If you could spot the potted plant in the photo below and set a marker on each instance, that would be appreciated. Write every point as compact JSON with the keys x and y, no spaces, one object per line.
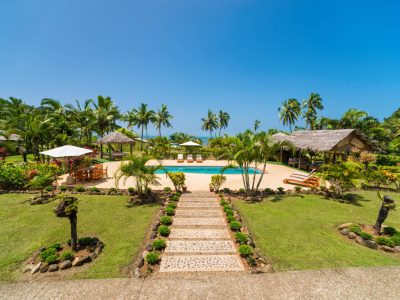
{"x":184,"y":188}
{"x":211,"y":187}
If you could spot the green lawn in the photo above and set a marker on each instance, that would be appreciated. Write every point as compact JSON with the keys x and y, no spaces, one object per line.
{"x":18,"y":158}
{"x":300,"y":232}
{"x":25,"y":228}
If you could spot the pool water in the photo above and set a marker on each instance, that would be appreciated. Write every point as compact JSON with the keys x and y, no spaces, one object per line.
{"x":204,"y":170}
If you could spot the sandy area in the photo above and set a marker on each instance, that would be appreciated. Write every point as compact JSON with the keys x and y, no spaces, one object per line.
{"x":199,"y":182}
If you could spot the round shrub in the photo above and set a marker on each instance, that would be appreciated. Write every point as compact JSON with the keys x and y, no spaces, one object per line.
{"x":229,"y":212}
{"x":366,"y":236}
{"x":235,"y":225}
{"x":396,"y":239}
{"x":223,"y":202}
{"x":56,"y":246}
{"x":355,"y":228}
{"x":67,"y":255}
{"x":159,"y":244}
{"x":166,"y":220}
{"x":170,"y":211}
{"x":230,"y":218}
{"x":245,"y":250}
{"x":227,"y":207}
{"x":241,"y":238}
{"x":112,"y":191}
{"x":63,"y":188}
{"x":384,"y":241}
{"x":164,"y":230}
{"x":172,"y":205}
{"x":94,"y":189}
{"x":51,"y":259}
{"x":389,"y":231}
{"x":167,"y":189}
{"x":80,"y":188}
{"x":152,"y":257}
{"x":175,"y":197}
{"x":85,"y":241}
{"x":131,"y":190}
{"x":48,"y":188}
{"x":48,"y":252}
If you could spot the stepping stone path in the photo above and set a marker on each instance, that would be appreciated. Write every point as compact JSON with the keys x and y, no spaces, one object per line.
{"x":200,"y":240}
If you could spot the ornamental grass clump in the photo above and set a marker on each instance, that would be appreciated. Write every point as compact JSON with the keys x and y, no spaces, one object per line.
{"x":159,"y":244}
{"x":170,"y":211}
{"x":245,"y":250}
{"x":164,"y":230}
{"x":172,"y":205}
{"x":67,"y":255}
{"x":235,"y":225}
{"x":166,"y":220}
{"x":384,"y":241}
{"x":241,"y":238}
{"x":152,"y":257}
{"x":365,"y":235}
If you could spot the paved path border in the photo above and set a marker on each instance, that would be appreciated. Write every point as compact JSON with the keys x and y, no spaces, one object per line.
{"x":353,"y":283}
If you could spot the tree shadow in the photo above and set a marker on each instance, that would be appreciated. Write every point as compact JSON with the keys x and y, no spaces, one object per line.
{"x":353,"y":199}
{"x":277,"y":198}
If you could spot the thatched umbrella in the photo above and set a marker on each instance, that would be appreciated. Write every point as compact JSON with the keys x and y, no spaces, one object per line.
{"x":116,"y":138}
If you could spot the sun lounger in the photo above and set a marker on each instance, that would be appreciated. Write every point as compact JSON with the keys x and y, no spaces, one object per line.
{"x":302,"y":175}
{"x":199,"y":159}
{"x":310,"y":181}
{"x":180,"y":158}
{"x":189,"y":158}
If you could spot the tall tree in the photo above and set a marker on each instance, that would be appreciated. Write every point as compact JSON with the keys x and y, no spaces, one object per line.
{"x":162,"y":119}
{"x":141,"y":117}
{"x":83,"y":119}
{"x":210,"y":123}
{"x":223,"y":120}
{"x":352,"y":118}
{"x":289,"y":112}
{"x":310,"y":106}
{"x":257,"y":124}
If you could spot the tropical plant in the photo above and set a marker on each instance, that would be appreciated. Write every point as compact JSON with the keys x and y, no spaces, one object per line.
{"x":67,"y":207}
{"x":217,"y":181}
{"x":210,"y":123}
{"x":178,"y":180}
{"x":140,"y":117}
{"x":142,"y":174}
{"x":162,"y":118}
{"x":223,"y":120}
{"x":42,"y":181}
{"x":289,"y":112}
{"x":257,"y":124}
{"x":310,"y":107}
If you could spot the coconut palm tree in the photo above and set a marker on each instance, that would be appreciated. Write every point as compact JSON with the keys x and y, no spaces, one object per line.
{"x":143,"y":175}
{"x":257,"y":124}
{"x":162,"y":118}
{"x":310,"y":106}
{"x":223,"y":120}
{"x":289,"y":112}
{"x":82,"y":117}
{"x":141,"y":117}
{"x":210,"y":123}
{"x":352,"y":118}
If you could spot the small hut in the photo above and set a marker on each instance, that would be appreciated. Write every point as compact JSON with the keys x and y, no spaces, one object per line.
{"x":116,"y":138}
{"x":335,"y":142}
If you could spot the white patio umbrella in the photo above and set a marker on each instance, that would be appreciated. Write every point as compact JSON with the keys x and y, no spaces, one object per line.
{"x":190,"y":144}
{"x":66,"y":152}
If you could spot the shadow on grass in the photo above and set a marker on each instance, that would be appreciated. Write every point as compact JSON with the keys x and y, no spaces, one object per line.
{"x":277,"y":198}
{"x":353,"y":199}
{"x":133,"y":205}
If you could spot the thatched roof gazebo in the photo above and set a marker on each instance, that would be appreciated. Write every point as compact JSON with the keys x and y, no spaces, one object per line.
{"x":116,"y":138}
{"x":333,"y":141}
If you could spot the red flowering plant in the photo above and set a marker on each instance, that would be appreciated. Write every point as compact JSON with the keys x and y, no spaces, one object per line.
{"x":3,"y":152}
{"x":92,"y":154}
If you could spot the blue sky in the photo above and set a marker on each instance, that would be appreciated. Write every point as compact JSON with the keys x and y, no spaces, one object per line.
{"x":244,"y":57}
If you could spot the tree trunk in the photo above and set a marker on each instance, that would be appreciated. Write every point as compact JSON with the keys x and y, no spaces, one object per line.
{"x":387,"y":203}
{"x":141,"y":142}
{"x":74,"y":233}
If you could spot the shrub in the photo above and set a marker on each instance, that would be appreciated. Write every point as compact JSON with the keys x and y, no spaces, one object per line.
{"x":152,"y":257}
{"x":174,"y":197}
{"x":67,"y":255}
{"x":48,"y":252}
{"x":227,"y":207}
{"x":159,"y":244}
{"x":389,"y":231}
{"x":245,"y":250}
{"x":269,"y":191}
{"x":281,"y":190}
{"x":166,"y":220}
{"x":241,"y":238}
{"x":94,"y":189}
{"x":387,"y":160}
{"x":172,"y":205}
{"x":217,"y":181}
{"x":164,"y":230}
{"x":178,"y":180}
{"x":365,"y":235}
{"x":241,"y":191}
{"x":229,"y":212}
{"x":85,"y":241}
{"x":297,"y":189}
{"x":235,"y":225}
{"x":223,"y":202}
{"x":112,"y":190}
{"x":396,"y":239}
{"x":170,"y":211}
{"x":227,"y":190}
{"x":12,"y":177}
{"x":63,"y":188}
{"x":56,"y":246}
{"x":385,"y":241}
{"x":167,"y":189}
{"x":230,"y":218}
{"x":51,"y":259}
{"x":80,"y":188}
{"x":48,"y":188}
{"x":131,"y":190}
{"x":355,"y":228}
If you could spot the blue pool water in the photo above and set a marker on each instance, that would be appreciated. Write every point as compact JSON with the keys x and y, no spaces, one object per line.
{"x":204,"y":170}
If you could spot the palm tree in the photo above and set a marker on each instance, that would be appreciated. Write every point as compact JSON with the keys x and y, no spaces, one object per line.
{"x":141,"y":117}
{"x":142,"y":174}
{"x":162,"y":118}
{"x":310,"y":106}
{"x":105,"y":115}
{"x":210,"y":123}
{"x":223,"y":120}
{"x":257,"y":124}
{"x":352,"y":118}
{"x":289,"y":112}
{"x":83,"y":118}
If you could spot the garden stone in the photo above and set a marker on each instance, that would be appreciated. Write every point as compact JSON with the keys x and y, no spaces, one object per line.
{"x":144,"y":254}
{"x":149,"y":247}
{"x":345,"y":231}
{"x":360,"y":240}
{"x":27,"y":268}
{"x":36,"y":268}
{"x":141,"y":262}
{"x":44,"y":268}
{"x":86,"y":259}
{"x":397,"y":248}
{"x":351,"y":235}
{"x":66,"y":264}
{"x":77,"y":262}
{"x":53,"y":268}
{"x":345,"y":225}
{"x":371,"y":244}
{"x":388,"y":249}
{"x":98,"y":251}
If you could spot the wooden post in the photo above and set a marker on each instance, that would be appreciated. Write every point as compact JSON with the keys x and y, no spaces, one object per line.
{"x":300,"y":160}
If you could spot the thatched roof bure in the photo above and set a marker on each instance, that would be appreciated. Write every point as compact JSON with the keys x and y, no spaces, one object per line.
{"x":115,"y":138}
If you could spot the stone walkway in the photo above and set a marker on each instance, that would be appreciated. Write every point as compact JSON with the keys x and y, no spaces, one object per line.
{"x":353,"y":283}
{"x":200,"y":240}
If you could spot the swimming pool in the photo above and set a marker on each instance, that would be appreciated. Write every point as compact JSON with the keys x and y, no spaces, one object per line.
{"x":204,"y":170}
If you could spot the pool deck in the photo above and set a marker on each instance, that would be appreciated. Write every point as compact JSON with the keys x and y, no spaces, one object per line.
{"x":273,"y":178}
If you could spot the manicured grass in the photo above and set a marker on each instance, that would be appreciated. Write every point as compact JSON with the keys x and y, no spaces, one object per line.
{"x":300,"y":232}
{"x":18,"y":158}
{"x":25,"y":228}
